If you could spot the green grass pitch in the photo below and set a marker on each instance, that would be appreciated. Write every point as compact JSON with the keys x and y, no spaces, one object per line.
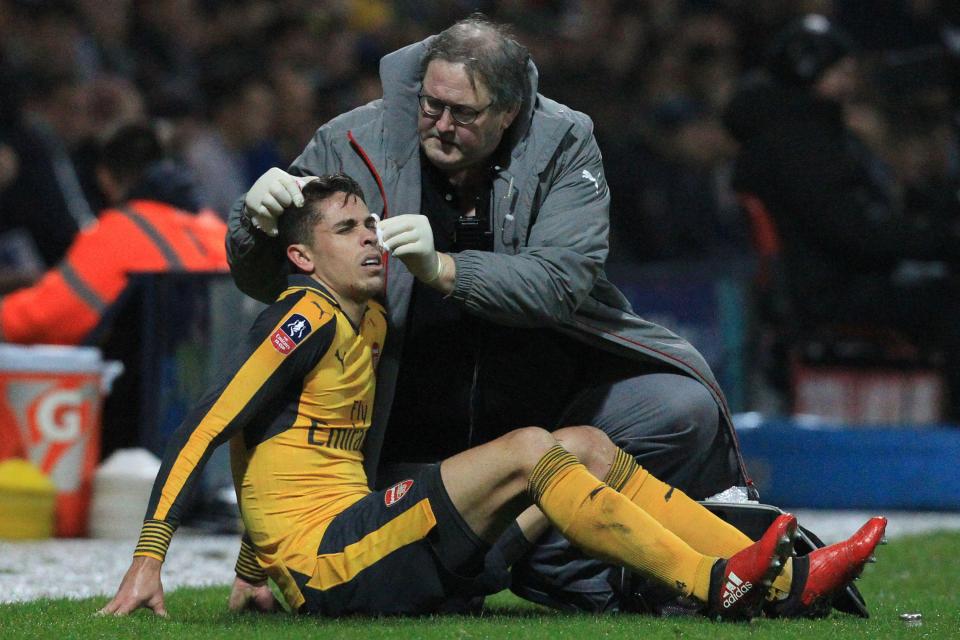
{"x":915,"y":574}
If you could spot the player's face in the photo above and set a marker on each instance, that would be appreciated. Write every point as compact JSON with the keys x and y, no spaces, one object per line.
{"x":344,"y":251}
{"x":448,"y":145}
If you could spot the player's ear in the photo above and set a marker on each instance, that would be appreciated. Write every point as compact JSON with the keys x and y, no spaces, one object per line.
{"x":301,"y":257}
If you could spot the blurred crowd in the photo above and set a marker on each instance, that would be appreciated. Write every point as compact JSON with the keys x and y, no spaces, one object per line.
{"x":238,"y":86}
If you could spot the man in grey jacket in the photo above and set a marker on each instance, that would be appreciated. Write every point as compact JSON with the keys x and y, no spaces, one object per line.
{"x":500,"y":312}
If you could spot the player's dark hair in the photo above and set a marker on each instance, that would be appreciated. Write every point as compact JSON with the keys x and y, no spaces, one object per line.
{"x":296,"y":224}
{"x":489,"y":53}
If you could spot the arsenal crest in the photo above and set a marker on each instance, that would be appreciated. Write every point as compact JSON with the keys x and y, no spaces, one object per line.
{"x":394,"y":494}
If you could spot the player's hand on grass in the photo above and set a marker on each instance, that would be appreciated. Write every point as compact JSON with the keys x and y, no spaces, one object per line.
{"x":274,"y":191}
{"x":140,"y":587}
{"x":246,"y":596}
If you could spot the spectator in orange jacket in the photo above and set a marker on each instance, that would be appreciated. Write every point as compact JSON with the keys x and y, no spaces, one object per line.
{"x":149,"y":227}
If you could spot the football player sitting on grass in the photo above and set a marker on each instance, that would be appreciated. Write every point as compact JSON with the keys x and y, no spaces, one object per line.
{"x":295,"y":408}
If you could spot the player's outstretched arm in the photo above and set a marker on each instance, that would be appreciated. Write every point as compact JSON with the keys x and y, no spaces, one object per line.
{"x":247,"y":596}
{"x":140,"y":587}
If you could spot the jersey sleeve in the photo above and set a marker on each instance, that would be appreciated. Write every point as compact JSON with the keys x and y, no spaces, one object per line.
{"x":247,"y":567}
{"x":283,"y":346}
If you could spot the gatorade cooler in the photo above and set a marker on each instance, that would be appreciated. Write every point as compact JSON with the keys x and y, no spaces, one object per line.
{"x":50,"y":400}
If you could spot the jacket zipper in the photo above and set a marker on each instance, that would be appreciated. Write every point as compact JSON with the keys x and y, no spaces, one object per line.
{"x":474,"y":398}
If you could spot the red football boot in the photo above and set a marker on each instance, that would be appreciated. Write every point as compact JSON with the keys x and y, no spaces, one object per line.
{"x":738,"y":586}
{"x":823,"y":573}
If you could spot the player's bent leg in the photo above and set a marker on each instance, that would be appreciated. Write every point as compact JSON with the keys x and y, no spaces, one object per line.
{"x":595,"y":450}
{"x":487,"y":484}
{"x":591,"y":446}
{"x":484,"y":485}
{"x":688,"y":519}
{"x":530,"y":525}
{"x":671,"y":424}
{"x":608,"y":526}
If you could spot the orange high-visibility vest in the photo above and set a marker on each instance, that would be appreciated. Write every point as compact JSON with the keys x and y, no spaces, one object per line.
{"x":145,"y":235}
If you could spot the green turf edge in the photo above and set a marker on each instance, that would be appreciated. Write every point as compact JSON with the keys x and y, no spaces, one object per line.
{"x":915,"y":574}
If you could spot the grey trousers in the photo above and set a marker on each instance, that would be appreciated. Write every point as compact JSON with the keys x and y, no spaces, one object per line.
{"x":672,"y":425}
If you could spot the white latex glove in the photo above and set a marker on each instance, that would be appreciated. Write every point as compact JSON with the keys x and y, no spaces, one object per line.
{"x":410,"y":238}
{"x":274,"y":191}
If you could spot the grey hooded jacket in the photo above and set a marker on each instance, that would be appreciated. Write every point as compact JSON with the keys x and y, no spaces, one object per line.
{"x":550,"y":211}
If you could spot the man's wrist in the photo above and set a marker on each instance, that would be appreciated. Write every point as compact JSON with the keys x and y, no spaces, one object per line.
{"x":145,"y":562}
{"x":437,"y":272}
{"x":247,"y":567}
{"x":155,"y":536}
{"x":446,"y":276}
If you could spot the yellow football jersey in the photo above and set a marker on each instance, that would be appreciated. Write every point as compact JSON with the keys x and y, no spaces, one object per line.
{"x":296,"y":408}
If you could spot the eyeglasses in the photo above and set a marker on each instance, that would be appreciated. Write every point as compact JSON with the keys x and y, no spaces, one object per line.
{"x":433,"y":108}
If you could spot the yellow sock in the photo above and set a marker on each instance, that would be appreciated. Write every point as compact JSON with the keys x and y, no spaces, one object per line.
{"x":781,"y":584}
{"x":677,"y":512}
{"x":610,"y":527}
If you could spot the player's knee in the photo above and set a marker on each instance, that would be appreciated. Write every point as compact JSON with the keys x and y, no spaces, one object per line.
{"x":526,"y":446}
{"x":590,"y":445}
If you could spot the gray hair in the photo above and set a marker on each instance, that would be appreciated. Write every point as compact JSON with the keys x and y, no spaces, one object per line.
{"x":489,"y":53}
